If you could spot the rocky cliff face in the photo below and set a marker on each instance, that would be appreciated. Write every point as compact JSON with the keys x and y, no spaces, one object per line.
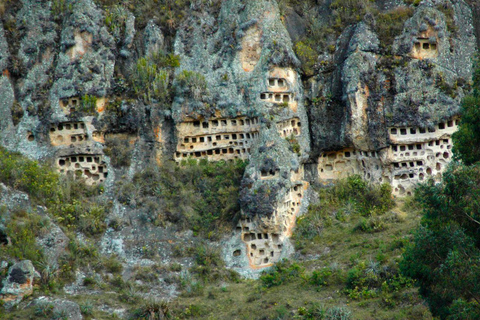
{"x":376,"y":103}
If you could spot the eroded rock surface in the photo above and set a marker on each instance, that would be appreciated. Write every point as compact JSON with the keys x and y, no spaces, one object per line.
{"x":18,"y":283}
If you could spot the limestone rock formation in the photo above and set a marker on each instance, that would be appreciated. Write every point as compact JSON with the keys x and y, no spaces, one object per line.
{"x":235,"y":90}
{"x":18,"y":283}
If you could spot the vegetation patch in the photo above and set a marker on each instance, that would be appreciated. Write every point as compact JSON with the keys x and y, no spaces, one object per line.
{"x":202,"y":196}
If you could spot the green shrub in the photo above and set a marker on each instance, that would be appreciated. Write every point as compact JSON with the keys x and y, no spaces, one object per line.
{"x":202,"y":196}
{"x":150,"y":82}
{"x":88,"y":105}
{"x":338,"y":313}
{"x":320,"y":277}
{"x":115,"y":19}
{"x":151,"y":309}
{"x":307,"y":55}
{"x":112,"y":265}
{"x":191,"y":84}
{"x":390,"y":24}
{"x":466,"y":141}
{"x":22,"y":230}
{"x":39,"y":181}
{"x":16,"y":112}
{"x":371,"y":224}
{"x":280,"y":273}
{"x":369,"y":199}
{"x":347,"y":12}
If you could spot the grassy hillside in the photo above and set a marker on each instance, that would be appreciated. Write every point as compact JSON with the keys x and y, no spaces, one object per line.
{"x":348,"y":247}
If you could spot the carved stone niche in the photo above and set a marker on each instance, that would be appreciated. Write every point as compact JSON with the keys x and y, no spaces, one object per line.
{"x":89,"y":167}
{"x":68,"y":133}
{"x":280,"y":86}
{"x":216,"y":139}
{"x":72,"y":104}
{"x":425,"y":48}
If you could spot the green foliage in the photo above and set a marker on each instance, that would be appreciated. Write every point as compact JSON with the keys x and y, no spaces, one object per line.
{"x":307,"y":55}
{"x":83,"y":216}
{"x":17,"y":113}
{"x":367,"y":199}
{"x":445,"y":254}
{"x":59,"y":8}
{"x":318,"y":312}
{"x":191,"y":84}
{"x":449,"y":13}
{"x":22,"y":230}
{"x":88,"y":105}
{"x":466,"y":141}
{"x":280,"y":273}
{"x":115,"y":19}
{"x":166,"y":13}
{"x":202,"y":196}
{"x":151,"y":79}
{"x":71,"y":202}
{"x":346,"y":12}
{"x":319,"y":278}
{"x":151,"y":309}
{"x":390,"y":24}
{"x":371,"y":279}
{"x":39,"y":181}
{"x":150,"y":82}
{"x":294,"y":145}
{"x":371,"y":224}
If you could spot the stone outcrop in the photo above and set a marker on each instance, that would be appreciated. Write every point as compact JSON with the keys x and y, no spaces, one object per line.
{"x":239,"y":93}
{"x":18,"y":283}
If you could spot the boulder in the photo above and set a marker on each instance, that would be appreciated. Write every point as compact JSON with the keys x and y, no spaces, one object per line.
{"x":18,"y":283}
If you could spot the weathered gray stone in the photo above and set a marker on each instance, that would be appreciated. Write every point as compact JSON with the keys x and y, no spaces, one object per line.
{"x":18,"y":283}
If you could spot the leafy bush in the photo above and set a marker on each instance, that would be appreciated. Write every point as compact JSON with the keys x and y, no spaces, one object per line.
{"x":191,"y":84}
{"x":466,"y":141}
{"x":347,"y":12}
{"x":367,"y":199}
{"x":150,"y":82}
{"x":280,"y":273}
{"x":88,"y":105}
{"x":320,"y":277}
{"x":152,"y":309}
{"x":39,"y":181}
{"x":307,"y":55}
{"x":390,"y":24}
{"x":22,"y":230}
{"x":115,"y":19}
{"x":17,"y":113}
{"x":444,"y":257}
{"x":202,"y":196}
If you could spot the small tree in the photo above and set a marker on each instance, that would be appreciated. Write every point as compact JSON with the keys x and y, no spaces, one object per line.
{"x":444,"y":257}
{"x":467,"y":139}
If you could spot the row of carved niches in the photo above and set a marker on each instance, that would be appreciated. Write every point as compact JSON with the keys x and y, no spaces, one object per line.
{"x":341,"y":164}
{"x":425,"y":48}
{"x":72,"y":104}
{"x":415,"y":155}
{"x":68,"y":133}
{"x":286,"y":212}
{"x":216,"y":139}
{"x":263,"y":248}
{"x":415,"y":163}
{"x":88,"y":167}
{"x":289,"y":127}
{"x":280,"y":88}
{"x":409,"y":134}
